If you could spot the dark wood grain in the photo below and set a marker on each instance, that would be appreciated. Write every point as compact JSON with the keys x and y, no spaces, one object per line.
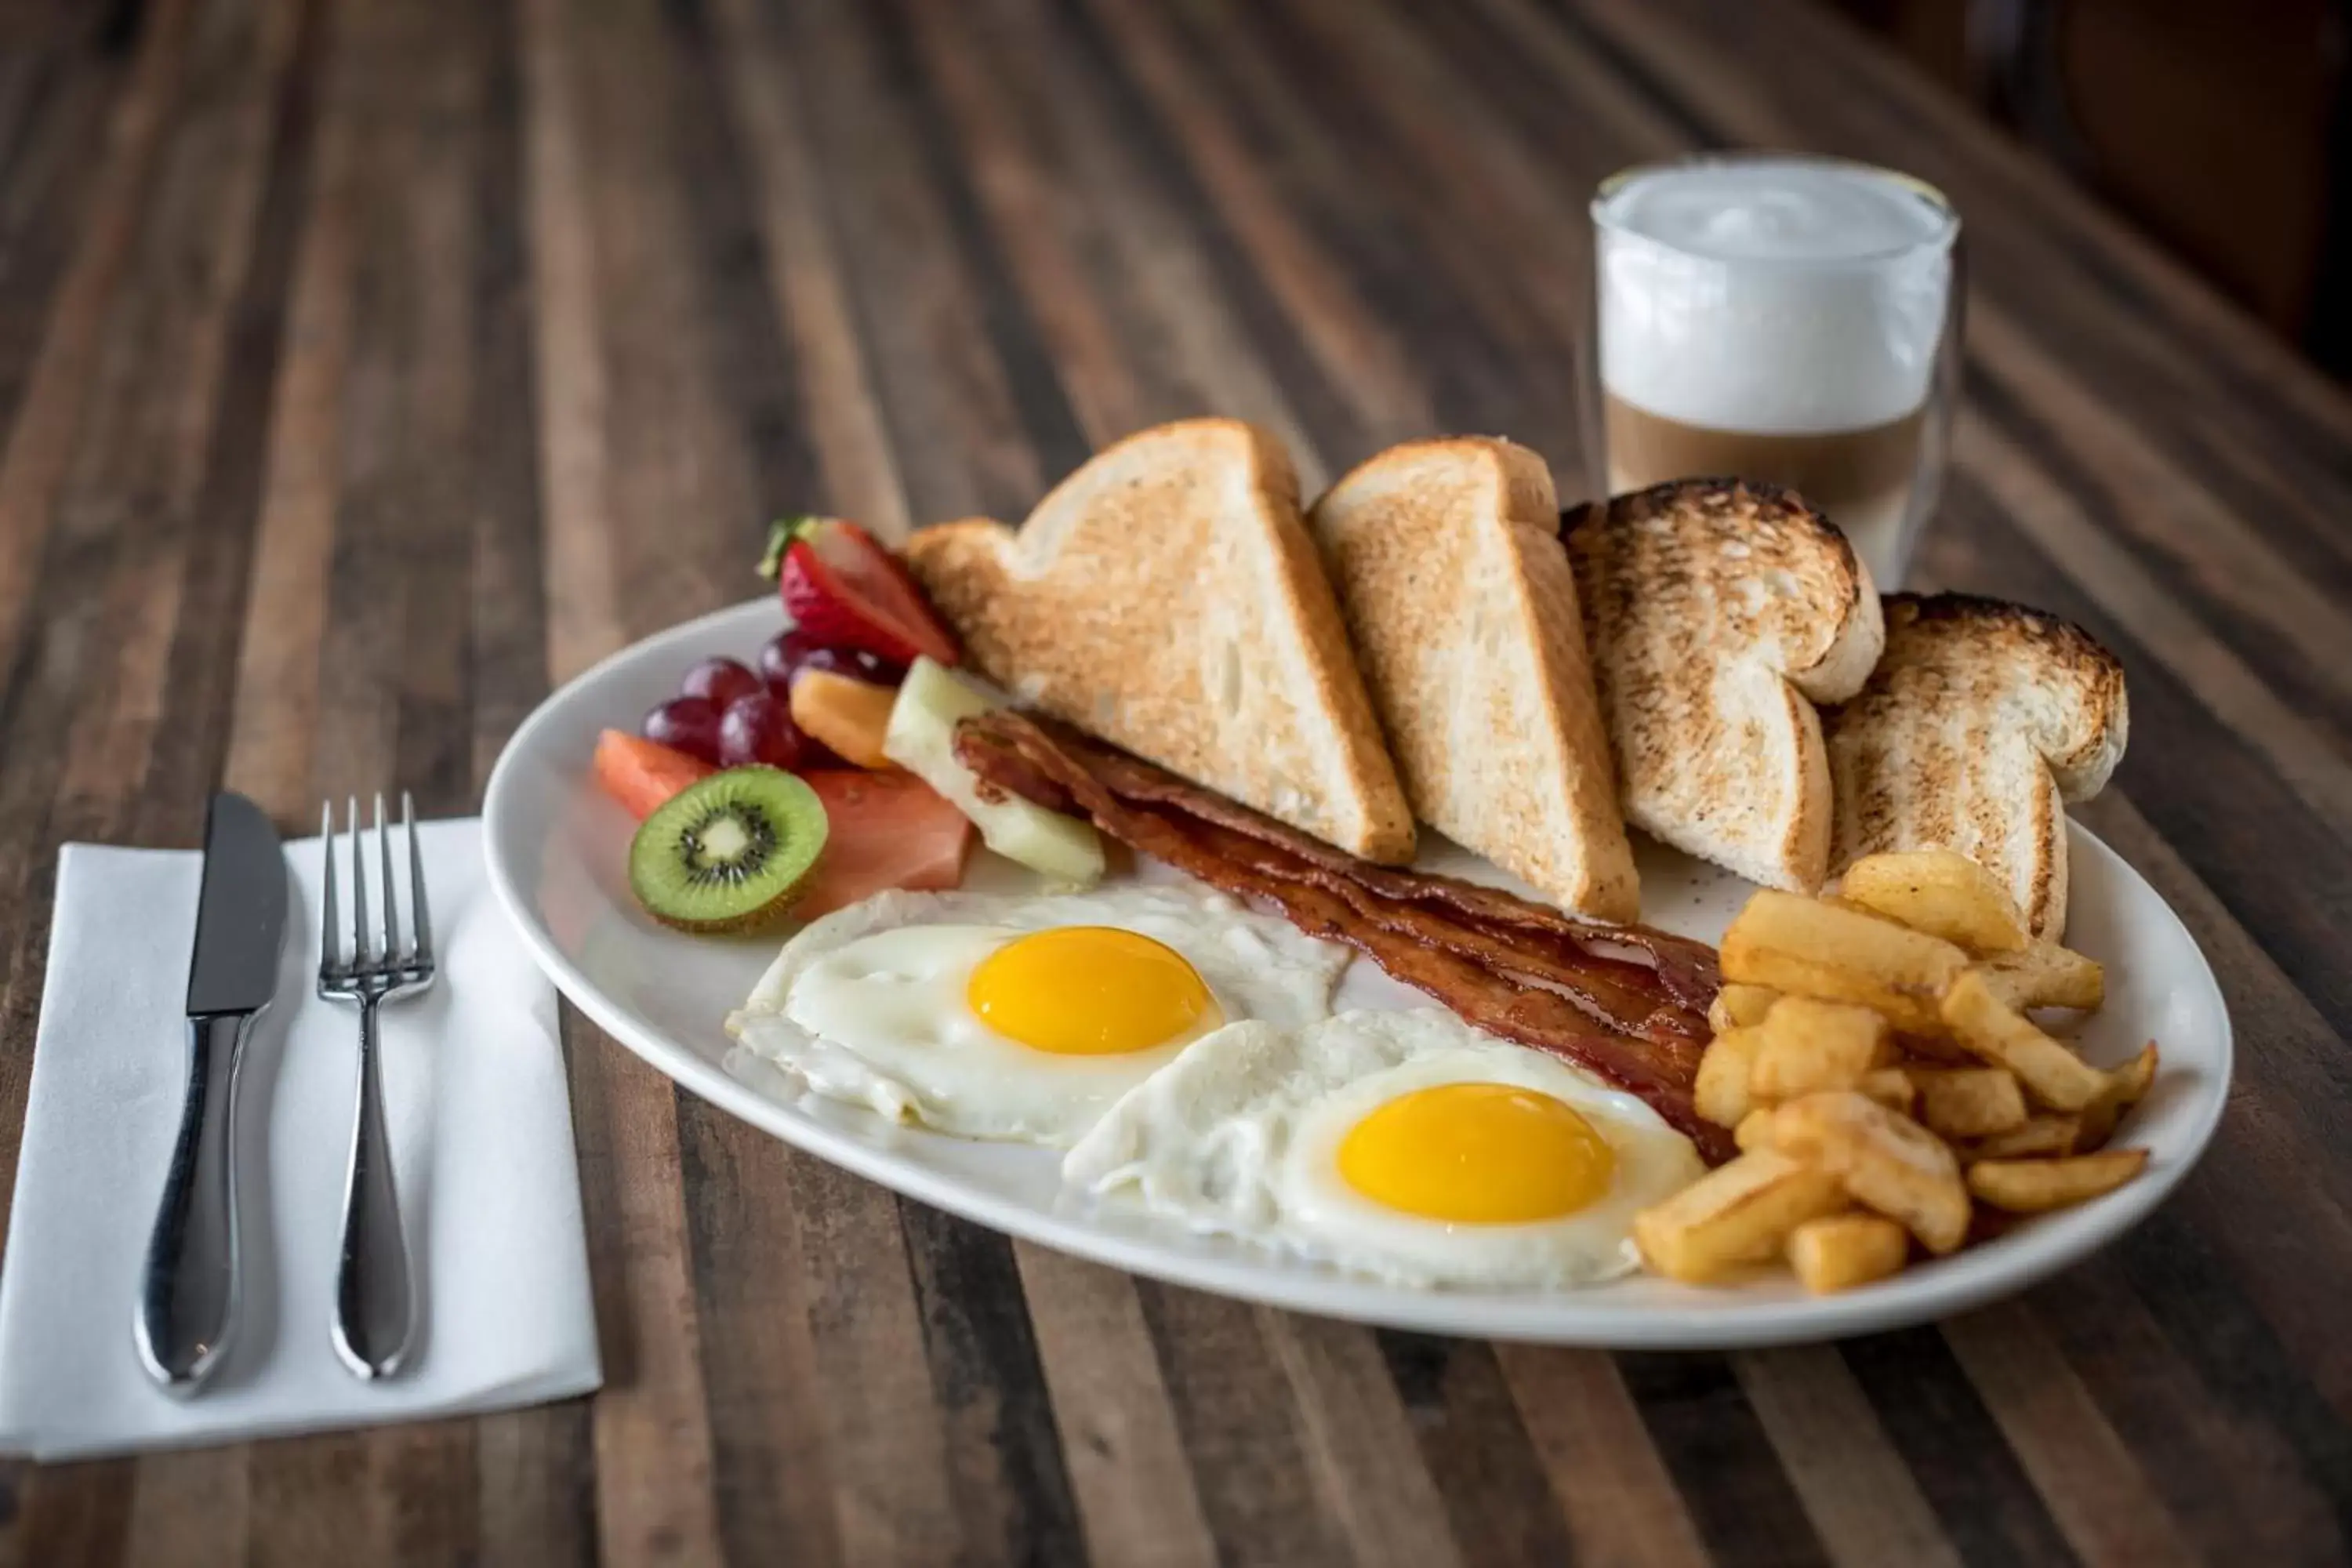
{"x":367,"y":367}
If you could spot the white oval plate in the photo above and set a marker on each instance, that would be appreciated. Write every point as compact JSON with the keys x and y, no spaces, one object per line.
{"x":557,"y":847}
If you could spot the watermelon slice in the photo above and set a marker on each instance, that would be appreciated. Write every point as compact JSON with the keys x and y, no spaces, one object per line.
{"x":888,"y":830}
{"x":642,"y":773}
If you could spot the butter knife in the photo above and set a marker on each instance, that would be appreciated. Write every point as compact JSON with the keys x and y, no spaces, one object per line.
{"x":188,"y":1295}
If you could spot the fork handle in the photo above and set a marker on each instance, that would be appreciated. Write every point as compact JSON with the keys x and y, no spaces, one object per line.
{"x":375,"y":1305}
{"x":188,"y":1291}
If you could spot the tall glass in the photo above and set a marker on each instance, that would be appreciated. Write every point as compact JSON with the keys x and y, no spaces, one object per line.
{"x":1788,"y":319}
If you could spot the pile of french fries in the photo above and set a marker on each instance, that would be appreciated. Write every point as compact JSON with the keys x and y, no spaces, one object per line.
{"x":1874,"y":1058}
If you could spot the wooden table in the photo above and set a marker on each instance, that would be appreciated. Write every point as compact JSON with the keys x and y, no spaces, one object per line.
{"x":365,"y":368}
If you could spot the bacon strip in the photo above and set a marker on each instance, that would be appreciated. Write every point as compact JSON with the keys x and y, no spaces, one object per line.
{"x":1513,"y":968}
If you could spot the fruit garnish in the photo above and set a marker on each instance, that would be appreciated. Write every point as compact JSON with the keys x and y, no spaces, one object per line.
{"x":759,"y":728}
{"x":850,"y":716}
{"x":689,"y":724}
{"x":641,"y":773}
{"x":921,"y":738}
{"x":720,"y":679}
{"x":843,"y":589}
{"x":730,"y":852}
{"x":888,"y":830}
{"x":785,"y":654}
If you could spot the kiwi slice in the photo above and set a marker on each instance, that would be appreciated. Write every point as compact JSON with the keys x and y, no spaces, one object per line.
{"x":728,"y":852}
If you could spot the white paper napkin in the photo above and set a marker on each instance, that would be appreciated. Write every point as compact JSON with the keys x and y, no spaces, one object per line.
{"x":481,"y":1124}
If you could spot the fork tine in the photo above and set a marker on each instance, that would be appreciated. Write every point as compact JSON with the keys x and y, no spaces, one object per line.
{"x":423,"y":945}
{"x":391,"y":905}
{"x":359,"y":885}
{"x":329,"y":952}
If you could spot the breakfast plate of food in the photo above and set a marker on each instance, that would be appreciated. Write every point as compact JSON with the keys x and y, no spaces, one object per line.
{"x":1621,"y":926}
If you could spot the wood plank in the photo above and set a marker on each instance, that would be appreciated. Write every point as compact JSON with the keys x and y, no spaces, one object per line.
{"x":1621,"y":1503}
{"x":1248,"y":1453}
{"x":651,"y":1435}
{"x":1937,"y":1420}
{"x":1126,"y":1461}
{"x":2238,"y":1479}
{"x":922,"y":304}
{"x":1710,"y":1440}
{"x":1498,"y":1499}
{"x":771,"y":1478}
{"x":806,"y":274}
{"x":1004,"y":1460}
{"x":2094,"y":1489}
{"x":1354,"y":352}
{"x":885,"y":1442}
{"x":583,"y":611}
{"x":275,"y":708}
{"x":1129,"y":305}
{"x":1360,"y":1448}
{"x":190,"y":1509}
{"x":1856,"y":1490}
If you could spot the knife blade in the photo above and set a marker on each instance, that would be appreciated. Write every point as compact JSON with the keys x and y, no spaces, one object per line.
{"x":240,"y":913}
{"x":188,"y":1297}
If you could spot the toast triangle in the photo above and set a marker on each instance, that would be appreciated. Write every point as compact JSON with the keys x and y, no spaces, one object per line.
{"x":1718,"y":613}
{"x":1982,"y":720}
{"x":1167,"y":597}
{"x":1446,"y":557}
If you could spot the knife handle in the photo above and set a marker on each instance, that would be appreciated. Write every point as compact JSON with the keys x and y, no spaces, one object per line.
{"x":188,"y":1295}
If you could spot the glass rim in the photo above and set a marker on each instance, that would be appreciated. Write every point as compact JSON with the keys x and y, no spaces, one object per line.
{"x":1941,"y":241}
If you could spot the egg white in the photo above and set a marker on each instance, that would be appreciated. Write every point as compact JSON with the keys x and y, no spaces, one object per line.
{"x":1241,"y":1137}
{"x":867,"y":1005}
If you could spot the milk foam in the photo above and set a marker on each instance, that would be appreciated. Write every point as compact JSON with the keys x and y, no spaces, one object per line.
{"x":1782,"y":296}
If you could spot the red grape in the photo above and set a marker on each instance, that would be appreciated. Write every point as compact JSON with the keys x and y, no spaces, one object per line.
{"x":722,"y":680}
{"x":759,"y":728}
{"x":786,"y":656}
{"x":689,"y":724}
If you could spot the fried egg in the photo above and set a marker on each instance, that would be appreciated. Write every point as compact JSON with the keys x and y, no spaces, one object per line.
{"x":1406,"y":1145}
{"x":1023,"y":1019}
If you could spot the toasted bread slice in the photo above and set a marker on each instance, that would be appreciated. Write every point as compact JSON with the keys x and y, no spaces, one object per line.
{"x":1981,"y":719}
{"x":1167,"y":597}
{"x":1463,"y":610}
{"x":1718,"y":613}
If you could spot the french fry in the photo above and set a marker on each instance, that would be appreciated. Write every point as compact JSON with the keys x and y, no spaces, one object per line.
{"x":2054,"y":1076}
{"x":2045,"y":974}
{"x":1968,"y":1103}
{"x":1875,"y":1062}
{"x":1886,"y":1160}
{"x":1736,"y":1215}
{"x":1837,"y":1252}
{"x":2033,"y":1186}
{"x":1938,"y":1048}
{"x":1940,"y":892}
{"x":2049,"y":1134}
{"x":2126,"y":1086}
{"x":1720,"y":1093}
{"x":1739,"y":1007}
{"x":1891,"y":1086}
{"x":1810,"y":1046}
{"x":1812,"y":948}
{"x":2129,"y":1084}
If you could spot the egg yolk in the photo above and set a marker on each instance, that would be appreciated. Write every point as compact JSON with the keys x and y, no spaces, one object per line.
{"x":1089,"y":991}
{"x":1477,"y":1153}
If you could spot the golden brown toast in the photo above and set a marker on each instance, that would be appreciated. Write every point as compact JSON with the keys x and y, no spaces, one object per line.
{"x":1981,"y":719}
{"x":1718,"y":613}
{"x":1446,"y":557}
{"x":1167,"y":597}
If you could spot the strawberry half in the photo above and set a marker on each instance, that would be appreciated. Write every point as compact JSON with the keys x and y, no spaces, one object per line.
{"x":843,"y":589}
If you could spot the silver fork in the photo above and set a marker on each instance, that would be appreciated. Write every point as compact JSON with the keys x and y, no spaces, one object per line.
{"x":375,"y":1304}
